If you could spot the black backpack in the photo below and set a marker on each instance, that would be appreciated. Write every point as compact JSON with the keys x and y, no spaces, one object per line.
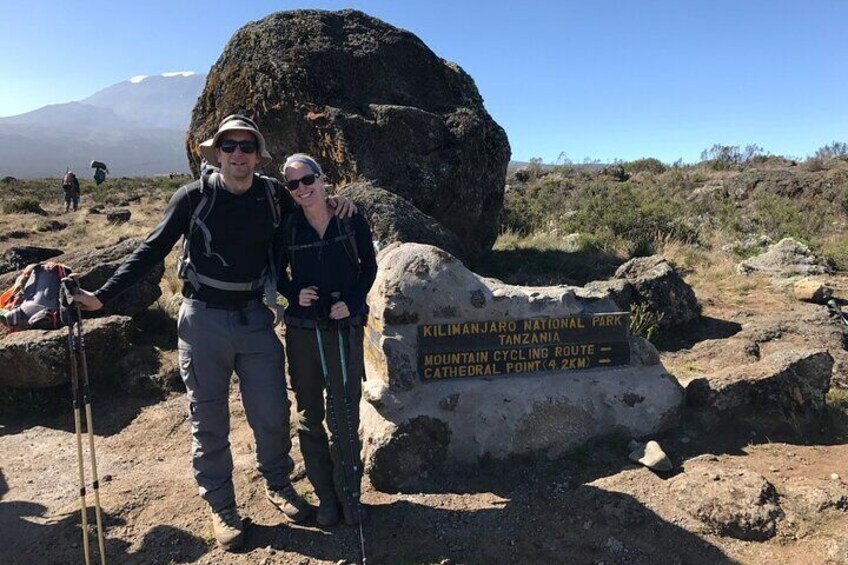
{"x":32,"y":303}
{"x":346,"y":237}
{"x":185,"y":266}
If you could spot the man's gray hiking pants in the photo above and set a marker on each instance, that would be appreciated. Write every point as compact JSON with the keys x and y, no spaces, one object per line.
{"x":212,"y":344}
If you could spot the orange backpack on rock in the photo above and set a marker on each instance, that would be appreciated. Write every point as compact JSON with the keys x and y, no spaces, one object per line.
{"x":32,"y":303}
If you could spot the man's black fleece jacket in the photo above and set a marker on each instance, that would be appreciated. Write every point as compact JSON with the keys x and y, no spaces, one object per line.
{"x":242,"y":229}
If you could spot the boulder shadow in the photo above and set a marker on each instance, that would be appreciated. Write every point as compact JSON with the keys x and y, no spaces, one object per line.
{"x":583,"y":525}
{"x":685,"y":336}
{"x":29,"y":535}
{"x":112,"y":410}
{"x":545,"y":267}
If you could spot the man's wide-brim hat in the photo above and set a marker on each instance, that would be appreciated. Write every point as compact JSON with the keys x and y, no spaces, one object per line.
{"x":234,"y":123}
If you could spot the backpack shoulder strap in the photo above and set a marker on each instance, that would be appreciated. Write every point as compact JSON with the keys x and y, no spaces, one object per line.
{"x":208,"y":195}
{"x":273,"y":199}
{"x":349,"y":243}
{"x":291,"y":231}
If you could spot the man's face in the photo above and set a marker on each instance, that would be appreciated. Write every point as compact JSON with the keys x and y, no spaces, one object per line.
{"x":238,"y":165}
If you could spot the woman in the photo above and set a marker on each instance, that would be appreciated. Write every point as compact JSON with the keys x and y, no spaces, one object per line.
{"x":332,"y":267}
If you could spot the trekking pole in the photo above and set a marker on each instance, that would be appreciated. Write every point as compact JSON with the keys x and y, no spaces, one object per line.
{"x":331,"y":416}
{"x":836,"y":311}
{"x":72,"y":357}
{"x":71,"y":285}
{"x":354,"y":488}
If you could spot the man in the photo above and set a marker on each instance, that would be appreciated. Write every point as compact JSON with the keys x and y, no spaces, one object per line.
{"x":71,"y":187}
{"x":223,"y":325}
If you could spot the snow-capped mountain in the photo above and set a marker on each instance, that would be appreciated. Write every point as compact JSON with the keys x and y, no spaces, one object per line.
{"x":137,"y":127}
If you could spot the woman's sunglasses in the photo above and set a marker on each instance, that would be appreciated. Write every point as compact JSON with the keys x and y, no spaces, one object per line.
{"x":307,"y":180}
{"x":229,"y":145}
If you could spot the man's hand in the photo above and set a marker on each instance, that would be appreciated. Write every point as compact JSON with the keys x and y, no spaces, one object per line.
{"x":86,"y":300}
{"x":342,"y":207}
{"x":338,"y":311}
{"x":307,"y":296}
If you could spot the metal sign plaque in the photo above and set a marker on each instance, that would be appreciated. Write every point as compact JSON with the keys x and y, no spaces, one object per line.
{"x":478,"y":349}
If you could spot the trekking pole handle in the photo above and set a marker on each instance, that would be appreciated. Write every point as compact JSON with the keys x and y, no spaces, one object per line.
{"x":70,"y":285}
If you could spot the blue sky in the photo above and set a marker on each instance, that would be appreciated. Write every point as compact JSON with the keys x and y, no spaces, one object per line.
{"x":591,"y":79}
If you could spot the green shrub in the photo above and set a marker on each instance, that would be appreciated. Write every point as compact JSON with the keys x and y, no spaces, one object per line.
{"x":833,"y":150}
{"x":781,"y":217}
{"x":835,"y":252}
{"x":23,"y":205}
{"x":631,"y":212}
{"x":644,"y":322}
{"x":649,"y":164}
{"x":725,"y":157}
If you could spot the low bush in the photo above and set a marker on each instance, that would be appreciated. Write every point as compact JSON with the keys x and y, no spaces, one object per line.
{"x":23,"y":205}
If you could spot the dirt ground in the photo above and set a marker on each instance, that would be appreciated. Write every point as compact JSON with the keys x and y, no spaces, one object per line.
{"x":593,"y":506}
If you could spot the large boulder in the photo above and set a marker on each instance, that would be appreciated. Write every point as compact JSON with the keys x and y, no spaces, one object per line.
{"x":782,"y":393}
{"x":394,"y":219}
{"x":786,"y":258}
{"x":736,"y":503}
{"x":38,"y":358}
{"x":371,"y":102}
{"x":657,"y":284}
{"x":95,"y":267}
{"x":17,"y":257}
{"x":412,"y":426}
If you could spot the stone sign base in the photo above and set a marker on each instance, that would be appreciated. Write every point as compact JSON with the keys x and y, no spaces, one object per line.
{"x":412,"y":424}
{"x":409,"y":433}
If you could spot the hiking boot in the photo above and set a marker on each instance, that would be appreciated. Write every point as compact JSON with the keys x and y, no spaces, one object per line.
{"x":228,"y":528}
{"x":328,"y":512}
{"x":354,"y":513}
{"x":291,"y":504}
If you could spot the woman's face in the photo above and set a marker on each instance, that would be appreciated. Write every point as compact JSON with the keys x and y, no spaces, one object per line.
{"x":305,"y":194}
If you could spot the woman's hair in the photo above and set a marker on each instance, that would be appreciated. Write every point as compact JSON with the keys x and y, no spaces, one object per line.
{"x":301,"y":158}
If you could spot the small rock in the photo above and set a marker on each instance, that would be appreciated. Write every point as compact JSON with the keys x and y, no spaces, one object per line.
{"x":118,"y":215}
{"x":651,"y":456}
{"x":834,"y":477}
{"x":811,"y":290}
{"x":446,"y":562}
{"x":107,"y":478}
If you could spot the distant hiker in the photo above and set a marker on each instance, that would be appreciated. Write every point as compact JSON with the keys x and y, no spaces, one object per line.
{"x":332,"y":266}
{"x":206,"y":168}
{"x":229,"y":221}
{"x":71,"y":188}
{"x":100,"y":171}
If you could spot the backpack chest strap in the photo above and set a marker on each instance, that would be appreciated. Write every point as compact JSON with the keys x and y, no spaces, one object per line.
{"x":320,"y":243}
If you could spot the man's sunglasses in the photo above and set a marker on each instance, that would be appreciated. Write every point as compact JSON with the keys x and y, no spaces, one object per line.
{"x":229,"y":145}
{"x":307,"y":180}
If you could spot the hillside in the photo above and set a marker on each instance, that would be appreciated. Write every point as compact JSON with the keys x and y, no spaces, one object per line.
{"x":137,"y":128}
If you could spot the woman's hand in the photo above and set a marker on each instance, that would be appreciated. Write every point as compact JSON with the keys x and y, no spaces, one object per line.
{"x":338,"y":311}
{"x":307,"y":296}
